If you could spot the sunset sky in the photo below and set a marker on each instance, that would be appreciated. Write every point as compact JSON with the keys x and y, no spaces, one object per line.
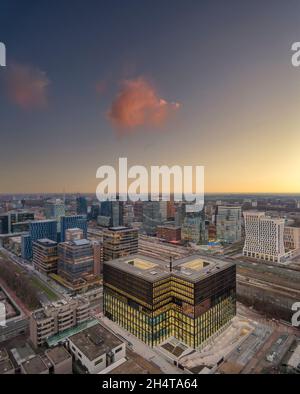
{"x":189,"y":82}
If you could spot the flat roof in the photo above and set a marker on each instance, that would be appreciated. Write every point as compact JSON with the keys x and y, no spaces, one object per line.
{"x":34,"y":366}
{"x":6,"y":366}
{"x":57,"y":354}
{"x":3,"y":354}
{"x":120,"y":228}
{"x":46,"y":241}
{"x":191,"y":268}
{"x":169,"y":226}
{"x":95,"y":341}
{"x":80,"y":242}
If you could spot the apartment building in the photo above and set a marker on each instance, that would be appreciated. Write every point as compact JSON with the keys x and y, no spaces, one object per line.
{"x":264,"y":237}
{"x":56,"y":318}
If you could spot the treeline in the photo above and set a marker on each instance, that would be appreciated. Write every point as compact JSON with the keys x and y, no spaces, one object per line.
{"x":20,"y":284}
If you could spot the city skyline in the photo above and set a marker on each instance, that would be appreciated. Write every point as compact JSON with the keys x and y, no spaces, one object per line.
{"x":194,"y":83}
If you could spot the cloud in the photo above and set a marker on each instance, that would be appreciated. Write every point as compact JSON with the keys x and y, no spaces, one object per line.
{"x":138,"y":104}
{"x":27,"y":86}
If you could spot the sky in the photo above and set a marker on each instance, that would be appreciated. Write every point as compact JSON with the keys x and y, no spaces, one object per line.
{"x":161,"y":82}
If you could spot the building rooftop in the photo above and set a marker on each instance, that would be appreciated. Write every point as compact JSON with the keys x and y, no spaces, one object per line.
{"x":169,"y":226}
{"x":192,"y":268}
{"x":80,"y":242}
{"x":22,"y":353}
{"x":6,"y":366}
{"x":3,"y":354}
{"x":47,"y":310}
{"x":95,"y":341}
{"x":46,"y":242}
{"x":35,"y":366}
{"x":57,"y":355}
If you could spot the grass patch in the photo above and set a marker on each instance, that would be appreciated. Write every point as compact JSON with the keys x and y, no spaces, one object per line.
{"x":42,"y":287}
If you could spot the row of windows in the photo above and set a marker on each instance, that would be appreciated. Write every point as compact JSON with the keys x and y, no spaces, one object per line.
{"x":170,"y":322}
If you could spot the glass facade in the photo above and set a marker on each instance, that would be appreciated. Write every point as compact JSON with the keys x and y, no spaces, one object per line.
{"x":154,"y":311}
{"x":75,"y":221}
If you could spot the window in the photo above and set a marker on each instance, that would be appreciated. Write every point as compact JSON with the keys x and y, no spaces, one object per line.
{"x":98,"y":361}
{"x":118,"y":350}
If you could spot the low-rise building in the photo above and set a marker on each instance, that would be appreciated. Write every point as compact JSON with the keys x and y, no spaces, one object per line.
{"x":6,"y":366}
{"x":60,"y":359}
{"x":97,"y":349}
{"x":34,"y":366}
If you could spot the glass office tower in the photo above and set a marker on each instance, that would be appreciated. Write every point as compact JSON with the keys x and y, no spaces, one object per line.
{"x":190,"y":300}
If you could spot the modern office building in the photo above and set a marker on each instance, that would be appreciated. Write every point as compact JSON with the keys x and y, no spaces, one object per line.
{"x":193,"y":228}
{"x":171,"y":209}
{"x":39,"y":229}
{"x":57,"y":317}
{"x":75,"y":221}
{"x":190,"y":299}
{"x":4,"y":224}
{"x":151,"y":217}
{"x":26,"y":247}
{"x":8,"y":220}
{"x":169,"y":233}
{"x":291,"y":238}
{"x":117,"y":213}
{"x":73,"y":234}
{"x":118,"y":242}
{"x":114,"y":211}
{"x":229,"y":223}
{"x":264,"y":237}
{"x":103,"y":221}
{"x":163,"y":208}
{"x":20,"y":227}
{"x":179,"y":214}
{"x":76,"y":264}
{"x":98,"y":257}
{"x":54,"y":209}
{"x":45,"y":256}
{"x":128,"y":215}
{"x":138,"y":211}
{"x":95,"y":211}
{"x":81,"y":206}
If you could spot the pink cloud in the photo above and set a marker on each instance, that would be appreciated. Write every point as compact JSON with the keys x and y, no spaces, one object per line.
{"x":138,"y":104}
{"x":27,"y":86}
